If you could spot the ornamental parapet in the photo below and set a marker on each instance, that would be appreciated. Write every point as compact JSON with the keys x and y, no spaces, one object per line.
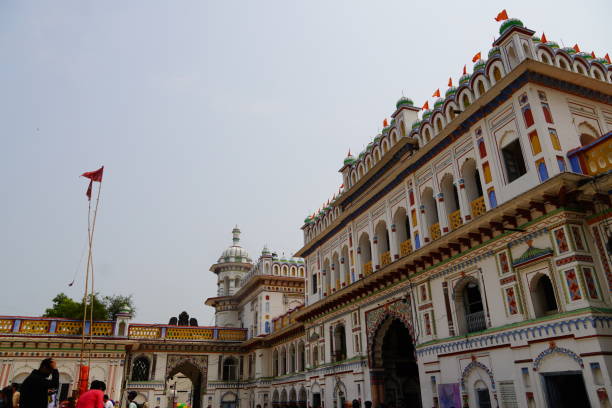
{"x":53,"y":326}
{"x":185,"y":333}
{"x":587,"y":321}
{"x":593,"y":159}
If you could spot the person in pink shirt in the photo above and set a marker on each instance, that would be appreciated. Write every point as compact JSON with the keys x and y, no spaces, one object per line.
{"x":94,"y":398}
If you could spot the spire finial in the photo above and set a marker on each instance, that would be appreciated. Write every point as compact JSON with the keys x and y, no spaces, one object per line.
{"x":236,"y":235}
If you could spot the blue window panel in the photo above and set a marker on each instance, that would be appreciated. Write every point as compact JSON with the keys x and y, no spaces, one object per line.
{"x":543,"y":171}
{"x":417,"y":241}
{"x":492,"y":199}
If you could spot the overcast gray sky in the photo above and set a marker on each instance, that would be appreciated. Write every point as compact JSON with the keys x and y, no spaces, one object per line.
{"x":208,"y":114}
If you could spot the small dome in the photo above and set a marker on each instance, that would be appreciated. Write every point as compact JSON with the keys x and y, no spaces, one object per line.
{"x":479,"y":65}
{"x":465,"y":79}
{"x":451,"y":91}
{"x":584,"y":55}
{"x":427,"y":114}
{"x":438,"y":103}
{"x":569,"y":50}
{"x":377,"y":139}
{"x":235,"y":253}
{"x":349,"y":159}
{"x":308,"y":220}
{"x":362,"y":154}
{"x":536,"y":39}
{"x":552,"y":44}
{"x":403,"y":101}
{"x":601,"y":61}
{"x":494,"y":52}
{"x":416,"y":124}
{"x":266,"y":251}
{"x":370,"y":147}
{"x":511,"y":22}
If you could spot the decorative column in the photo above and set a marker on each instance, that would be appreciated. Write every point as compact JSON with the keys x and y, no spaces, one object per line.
{"x":442,"y":213}
{"x":464,"y":204}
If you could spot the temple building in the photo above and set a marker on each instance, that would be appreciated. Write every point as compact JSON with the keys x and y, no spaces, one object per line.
{"x":465,"y":261}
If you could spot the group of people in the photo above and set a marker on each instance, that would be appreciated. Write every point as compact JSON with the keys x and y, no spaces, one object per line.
{"x":37,"y":390}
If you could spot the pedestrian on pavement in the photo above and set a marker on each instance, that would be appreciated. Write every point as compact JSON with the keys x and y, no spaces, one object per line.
{"x":94,"y":398}
{"x":131,"y":396}
{"x":36,"y":388}
{"x":107,"y":402}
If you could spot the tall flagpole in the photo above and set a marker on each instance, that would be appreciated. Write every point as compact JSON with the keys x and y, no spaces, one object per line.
{"x":93,"y":227}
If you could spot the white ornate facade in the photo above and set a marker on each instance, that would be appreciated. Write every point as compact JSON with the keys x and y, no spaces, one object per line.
{"x":465,"y":261}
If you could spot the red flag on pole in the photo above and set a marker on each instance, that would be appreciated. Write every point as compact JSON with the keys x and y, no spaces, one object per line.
{"x":501,"y":16}
{"x":576,"y":48}
{"x":425,"y":105}
{"x":607,"y":57}
{"x":385,"y":123}
{"x":476,"y":57}
{"x":450,"y":82}
{"x":437,"y":93}
{"x":95,"y":175}
{"x":464,"y":70}
{"x":543,"y":39}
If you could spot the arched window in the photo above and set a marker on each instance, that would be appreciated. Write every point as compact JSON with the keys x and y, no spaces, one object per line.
{"x":292,"y":359}
{"x":481,"y":88}
{"x":230,"y":369}
{"x":237,"y":282}
{"x":439,"y":125}
{"x":512,"y":57}
{"x":339,"y":343}
{"x":451,"y":201}
{"x":301,"y":360}
{"x":315,"y":355}
{"x":588,"y":134}
{"x":431,"y":213}
{"x":226,"y":286}
{"x":426,"y":136}
{"x":512,"y":155}
{"x":545,"y":59}
{"x":496,"y":74}
{"x":365,"y":254}
{"x":470,"y":307}
{"x":315,"y":288}
{"x":465,"y":100}
{"x":543,"y":296}
{"x":140,"y":369}
{"x":563,"y":64}
{"x":275,"y":363}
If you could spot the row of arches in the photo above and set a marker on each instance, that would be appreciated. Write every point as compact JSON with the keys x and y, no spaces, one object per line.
{"x":561,"y":58}
{"x":286,"y":270}
{"x":290,"y":398}
{"x":289,"y":359}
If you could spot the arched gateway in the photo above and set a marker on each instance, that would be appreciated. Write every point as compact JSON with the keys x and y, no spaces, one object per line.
{"x":193,"y":367}
{"x":394,"y":372}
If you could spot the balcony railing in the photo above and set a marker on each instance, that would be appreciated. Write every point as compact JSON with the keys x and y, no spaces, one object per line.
{"x":405,"y":248}
{"x":594,"y":158}
{"x":478,"y":207}
{"x":53,"y":326}
{"x":385,"y":258}
{"x":367,"y":268}
{"x":475,"y":321}
{"x":454,"y":219}
{"x":434,"y":231}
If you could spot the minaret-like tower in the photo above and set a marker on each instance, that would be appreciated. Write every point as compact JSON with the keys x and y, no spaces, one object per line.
{"x":230,"y":269}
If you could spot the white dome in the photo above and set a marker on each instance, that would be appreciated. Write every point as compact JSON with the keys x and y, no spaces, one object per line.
{"x":235,"y":253}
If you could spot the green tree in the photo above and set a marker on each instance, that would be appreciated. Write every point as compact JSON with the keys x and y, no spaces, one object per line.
{"x":103,"y":308}
{"x":118,"y":303}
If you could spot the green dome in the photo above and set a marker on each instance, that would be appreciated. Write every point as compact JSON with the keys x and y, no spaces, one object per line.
{"x":377,"y":139}
{"x":512,"y":22}
{"x":370,"y":146}
{"x":392,"y":122}
{"x":427,"y":114}
{"x":465,"y":79}
{"x":536,"y":39}
{"x":362,"y":154}
{"x":386,"y":130}
{"x":349,"y":160}
{"x":451,"y":91}
{"x":495,"y":51}
{"x":438,"y":103}
{"x":601,"y":61}
{"x":552,"y":44}
{"x":480,"y":64}
{"x":403,"y":101}
{"x":584,"y":55}
{"x":308,"y":220}
{"x":569,"y":50}
{"x":416,"y":124}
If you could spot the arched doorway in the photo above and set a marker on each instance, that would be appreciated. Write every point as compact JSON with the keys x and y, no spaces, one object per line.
{"x":186,"y":380}
{"x":394,"y":365}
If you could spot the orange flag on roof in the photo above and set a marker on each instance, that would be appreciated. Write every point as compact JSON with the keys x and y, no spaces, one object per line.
{"x":476,"y":57}
{"x":543,"y":39}
{"x":425,"y":105}
{"x":593,"y":54}
{"x":437,"y":93}
{"x":464,"y":69}
{"x":607,"y":57}
{"x":385,"y":123}
{"x":501,"y":16}
{"x":576,"y":48}
{"x":450,"y":82}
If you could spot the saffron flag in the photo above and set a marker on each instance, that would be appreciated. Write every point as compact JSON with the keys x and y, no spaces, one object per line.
{"x":437,"y":93}
{"x":476,"y":57}
{"x":593,"y":54}
{"x":95,"y":175}
{"x":607,"y":57}
{"x":450,"y":82}
{"x":501,"y":16}
{"x":543,"y":39}
{"x":464,"y":70}
{"x":576,"y":48}
{"x":425,"y":105}
{"x":385,"y":123}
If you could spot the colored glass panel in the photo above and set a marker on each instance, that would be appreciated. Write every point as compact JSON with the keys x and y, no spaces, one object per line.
{"x":427,"y":324}
{"x":547,"y":114}
{"x":511,"y":301}
{"x":561,"y":240}
{"x":554,"y":139}
{"x":414,"y":218}
{"x":504,"y":265}
{"x":561,"y":163}
{"x":527,"y":116}
{"x":542,"y":170}
{"x":492,"y":198}
{"x":578,"y":238}
{"x":482,"y":149}
{"x":589,"y":280}
{"x":417,"y":240}
{"x":411,"y":197}
{"x":534,"y":140}
{"x":487,"y":172}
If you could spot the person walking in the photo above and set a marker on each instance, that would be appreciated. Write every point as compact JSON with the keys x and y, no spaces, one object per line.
{"x":131,"y":396}
{"x":108,"y":403}
{"x":35,"y":389}
{"x":94,"y":398}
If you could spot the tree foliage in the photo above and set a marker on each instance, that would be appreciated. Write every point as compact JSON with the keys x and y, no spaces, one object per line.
{"x":103,"y":308}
